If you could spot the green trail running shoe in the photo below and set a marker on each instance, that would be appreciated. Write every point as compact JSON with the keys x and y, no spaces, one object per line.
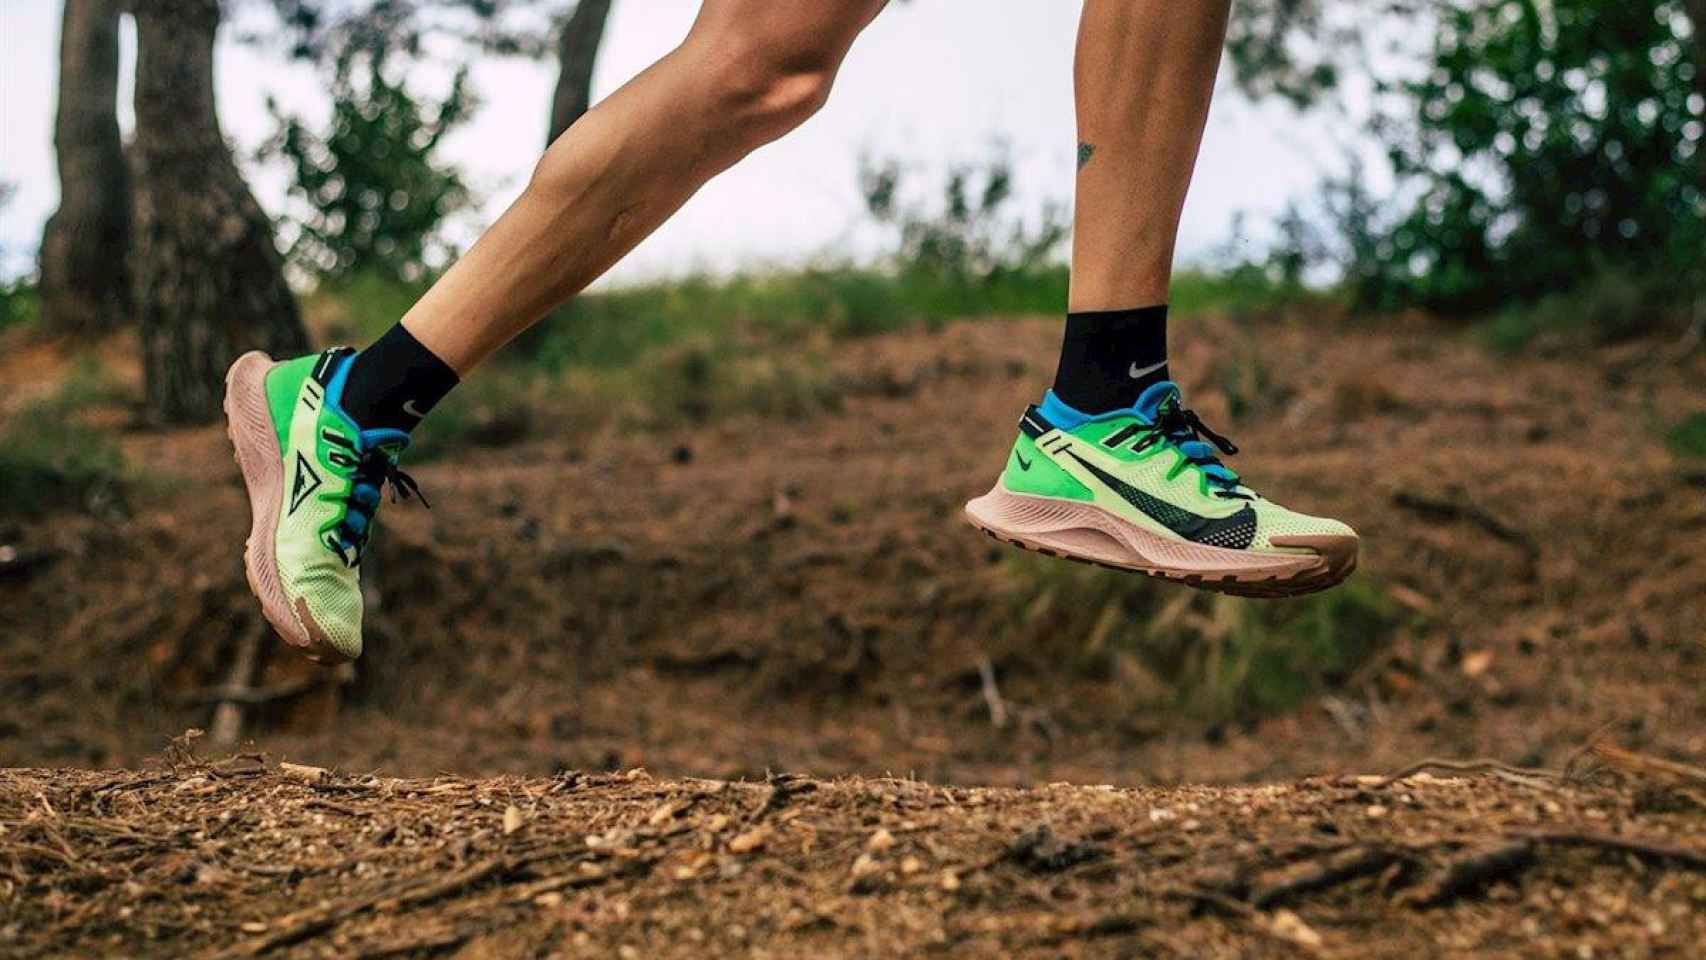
{"x":1140,"y":489}
{"x":314,"y":479}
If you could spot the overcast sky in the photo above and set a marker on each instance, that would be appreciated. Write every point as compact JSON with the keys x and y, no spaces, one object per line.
{"x":931,"y":83}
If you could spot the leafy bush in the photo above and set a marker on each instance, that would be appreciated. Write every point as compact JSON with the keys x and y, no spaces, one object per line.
{"x":48,"y":460}
{"x":972,"y":237}
{"x":1688,"y":437}
{"x":373,"y":194}
{"x":1216,"y":658}
{"x":1546,"y":143}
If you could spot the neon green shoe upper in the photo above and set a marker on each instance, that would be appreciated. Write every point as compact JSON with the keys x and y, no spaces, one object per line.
{"x":1150,"y":466}
{"x":333,"y":474}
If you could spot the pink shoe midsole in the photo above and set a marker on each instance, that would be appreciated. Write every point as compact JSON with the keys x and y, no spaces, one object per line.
{"x":1086,"y":532}
{"x":248,"y":421}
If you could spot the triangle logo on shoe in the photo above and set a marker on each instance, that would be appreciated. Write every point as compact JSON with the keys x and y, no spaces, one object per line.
{"x":306,"y":482}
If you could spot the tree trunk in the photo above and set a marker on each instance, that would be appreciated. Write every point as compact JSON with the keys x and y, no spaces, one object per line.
{"x":577,"y":51}
{"x":209,"y":281}
{"x":84,"y":286}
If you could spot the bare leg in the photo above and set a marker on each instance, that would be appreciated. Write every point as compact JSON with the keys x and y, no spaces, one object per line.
{"x":1144,"y":76}
{"x":748,"y":72}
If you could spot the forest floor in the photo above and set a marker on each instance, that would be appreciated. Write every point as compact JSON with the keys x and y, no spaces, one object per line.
{"x":245,"y":858}
{"x":770,"y":592}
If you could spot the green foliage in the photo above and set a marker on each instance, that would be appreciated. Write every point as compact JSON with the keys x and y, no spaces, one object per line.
{"x":971,"y":238}
{"x":1216,"y":658}
{"x":375,"y":197}
{"x":1545,"y":143}
{"x":1688,"y":437}
{"x":49,"y":460}
{"x":1275,"y":50}
{"x":20,"y":303}
{"x":1607,"y":306}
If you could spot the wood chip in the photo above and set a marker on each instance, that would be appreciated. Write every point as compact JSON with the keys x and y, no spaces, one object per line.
{"x":749,"y":841}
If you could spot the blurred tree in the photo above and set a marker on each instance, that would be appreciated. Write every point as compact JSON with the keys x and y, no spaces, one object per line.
{"x":1547,"y":143}
{"x":84,"y":286}
{"x":209,"y":280}
{"x":374,"y":194}
{"x":321,"y":30}
{"x":578,"y":41}
{"x":1544,"y":145}
{"x":970,"y":238}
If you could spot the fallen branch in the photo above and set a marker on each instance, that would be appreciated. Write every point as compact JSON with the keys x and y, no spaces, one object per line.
{"x":1647,"y":850}
{"x":246,"y":695}
{"x":1451,"y":510}
{"x":1639,"y":763}
{"x":1473,"y":872}
{"x":227,"y":725}
{"x":1332,"y":870}
{"x":992,"y":694}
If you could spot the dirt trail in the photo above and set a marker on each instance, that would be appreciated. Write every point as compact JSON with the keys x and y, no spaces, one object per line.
{"x":801,"y":593}
{"x":245,"y":858}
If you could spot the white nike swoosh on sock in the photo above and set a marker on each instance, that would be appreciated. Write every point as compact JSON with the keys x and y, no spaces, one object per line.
{"x":409,"y":408}
{"x":1137,"y":374}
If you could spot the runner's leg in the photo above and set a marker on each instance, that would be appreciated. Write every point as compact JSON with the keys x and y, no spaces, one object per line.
{"x":1111,"y":467}
{"x":318,"y":438}
{"x":1143,"y":77}
{"x":748,"y":72}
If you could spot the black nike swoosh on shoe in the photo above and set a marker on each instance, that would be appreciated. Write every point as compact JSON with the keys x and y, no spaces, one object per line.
{"x":1023,"y":463}
{"x":1236,"y":532}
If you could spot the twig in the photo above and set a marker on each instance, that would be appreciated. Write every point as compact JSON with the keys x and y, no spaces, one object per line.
{"x":1449,"y":510}
{"x":1522,"y":776}
{"x":1331,"y":871}
{"x":298,"y":927}
{"x":1643,"y":849}
{"x":1474,"y":872}
{"x":227,"y":723}
{"x":246,"y":695}
{"x":992,"y":693}
{"x":1632,"y":762}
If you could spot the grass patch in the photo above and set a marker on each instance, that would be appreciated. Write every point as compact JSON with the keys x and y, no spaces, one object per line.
{"x":20,"y":305}
{"x":696,"y":349}
{"x":1214,"y":658}
{"x":1610,"y":306}
{"x":49,"y":460}
{"x":1688,"y":438}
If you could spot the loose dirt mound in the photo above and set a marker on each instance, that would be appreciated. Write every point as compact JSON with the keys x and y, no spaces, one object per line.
{"x":244,"y":858}
{"x":766,"y":592}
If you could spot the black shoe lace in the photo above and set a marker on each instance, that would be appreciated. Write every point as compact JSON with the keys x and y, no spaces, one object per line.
{"x":1181,"y":425}
{"x":375,"y":470}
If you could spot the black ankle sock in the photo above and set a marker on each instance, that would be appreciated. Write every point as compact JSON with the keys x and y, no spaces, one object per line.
{"x":395,"y":382}
{"x":1109,"y":357}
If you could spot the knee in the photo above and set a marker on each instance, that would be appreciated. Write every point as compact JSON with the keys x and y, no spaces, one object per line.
{"x":765,"y":92}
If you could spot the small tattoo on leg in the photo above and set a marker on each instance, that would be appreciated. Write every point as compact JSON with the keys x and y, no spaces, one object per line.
{"x":1085,"y":151}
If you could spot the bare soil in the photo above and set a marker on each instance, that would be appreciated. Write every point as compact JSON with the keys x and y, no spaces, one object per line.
{"x":243,"y":859}
{"x":764,"y":594}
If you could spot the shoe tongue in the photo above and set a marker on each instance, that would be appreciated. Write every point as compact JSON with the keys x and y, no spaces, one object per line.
{"x":389,"y":441}
{"x":1150,"y":402}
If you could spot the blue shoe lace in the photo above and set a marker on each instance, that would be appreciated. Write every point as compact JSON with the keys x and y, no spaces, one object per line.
{"x":376,"y":468}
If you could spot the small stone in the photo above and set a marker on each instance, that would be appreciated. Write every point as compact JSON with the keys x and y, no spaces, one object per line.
{"x":880,"y":841}
{"x":254,"y":926}
{"x":749,"y":841}
{"x":1375,"y":811}
{"x":1291,"y":926}
{"x":512,"y":819}
{"x":950,"y":881}
{"x":911,"y":865}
